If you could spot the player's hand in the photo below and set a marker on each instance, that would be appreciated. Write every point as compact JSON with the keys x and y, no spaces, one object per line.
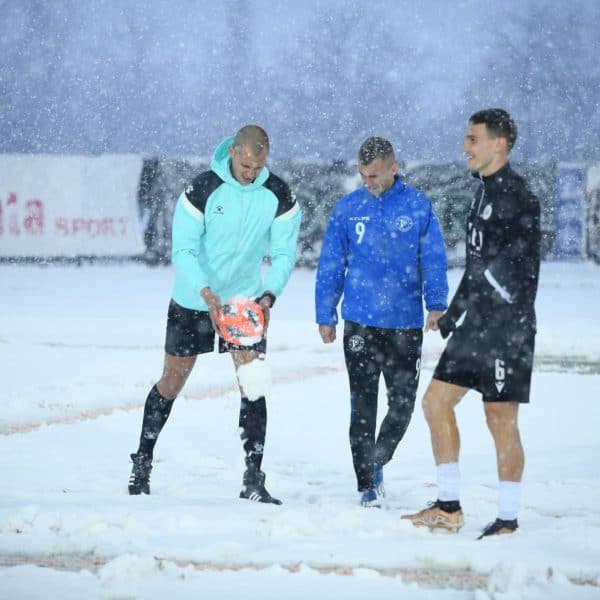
{"x":431,"y":322}
{"x":265,"y":304}
{"x":213,"y":302}
{"x":327,"y":333}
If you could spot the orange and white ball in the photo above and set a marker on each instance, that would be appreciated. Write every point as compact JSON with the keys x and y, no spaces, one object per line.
{"x":241,"y":321}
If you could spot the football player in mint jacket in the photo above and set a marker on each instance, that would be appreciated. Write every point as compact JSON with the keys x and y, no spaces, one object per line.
{"x":225,"y":222}
{"x":383,"y":252}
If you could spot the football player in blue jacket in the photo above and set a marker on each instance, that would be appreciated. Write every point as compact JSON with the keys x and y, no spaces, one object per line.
{"x":383,"y":251}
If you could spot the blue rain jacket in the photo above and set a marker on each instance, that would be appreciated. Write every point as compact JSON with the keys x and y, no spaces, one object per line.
{"x":385,"y":255}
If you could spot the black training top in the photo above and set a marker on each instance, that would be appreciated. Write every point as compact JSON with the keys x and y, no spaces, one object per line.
{"x":500,"y":281}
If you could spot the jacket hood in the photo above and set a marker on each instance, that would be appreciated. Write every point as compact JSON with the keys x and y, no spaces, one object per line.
{"x":221,"y":165}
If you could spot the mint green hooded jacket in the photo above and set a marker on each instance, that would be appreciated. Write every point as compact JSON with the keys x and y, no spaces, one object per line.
{"x":222,"y":230}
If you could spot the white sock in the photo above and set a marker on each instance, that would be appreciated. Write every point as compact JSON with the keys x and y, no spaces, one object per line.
{"x":509,"y":499}
{"x":448,"y":480}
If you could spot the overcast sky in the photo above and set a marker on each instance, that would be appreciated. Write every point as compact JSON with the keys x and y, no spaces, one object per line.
{"x":173,"y":77}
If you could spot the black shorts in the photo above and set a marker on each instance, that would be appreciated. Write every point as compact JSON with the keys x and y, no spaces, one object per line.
{"x":495,"y":361}
{"x":190,"y":332}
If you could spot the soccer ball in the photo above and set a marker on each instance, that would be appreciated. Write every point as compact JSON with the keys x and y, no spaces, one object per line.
{"x":241,"y":321}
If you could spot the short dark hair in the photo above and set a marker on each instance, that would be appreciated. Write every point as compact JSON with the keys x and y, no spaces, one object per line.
{"x":498,"y":124}
{"x":375,"y":147}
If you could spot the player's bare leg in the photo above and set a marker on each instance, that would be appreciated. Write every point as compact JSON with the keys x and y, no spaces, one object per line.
{"x":502,"y":421}
{"x":176,"y":370}
{"x":439,"y":403}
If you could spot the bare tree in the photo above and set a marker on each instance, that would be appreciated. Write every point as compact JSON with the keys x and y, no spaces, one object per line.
{"x":543,"y":67}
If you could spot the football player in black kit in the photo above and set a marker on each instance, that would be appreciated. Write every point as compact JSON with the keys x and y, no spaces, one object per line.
{"x":491,"y":351}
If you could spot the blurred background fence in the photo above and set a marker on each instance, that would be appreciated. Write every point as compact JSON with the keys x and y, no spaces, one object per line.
{"x":319,"y":185}
{"x":120,"y":207}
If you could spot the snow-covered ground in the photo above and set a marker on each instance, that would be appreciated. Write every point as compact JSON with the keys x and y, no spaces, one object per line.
{"x":81,"y":347}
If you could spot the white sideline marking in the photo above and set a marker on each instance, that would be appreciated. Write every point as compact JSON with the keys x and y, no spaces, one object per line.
{"x":577,"y":364}
{"x":441,"y":578}
{"x":212,"y":392}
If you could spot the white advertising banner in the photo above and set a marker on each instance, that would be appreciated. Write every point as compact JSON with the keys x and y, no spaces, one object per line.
{"x":569,"y":211}
{"x":60,"y":206}
{"x":593,"y":178}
